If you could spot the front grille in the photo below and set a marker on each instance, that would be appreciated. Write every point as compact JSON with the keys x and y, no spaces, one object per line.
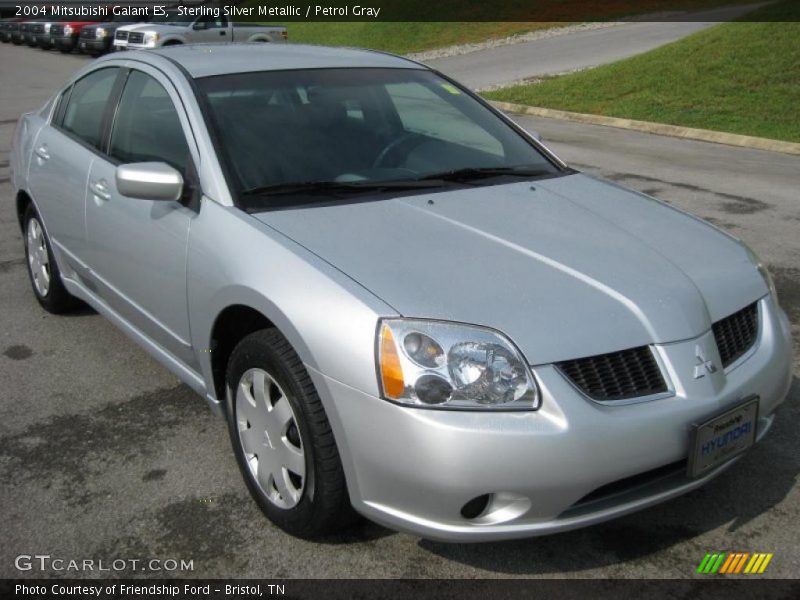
{"x":736,"y":334}
{"x":39,"y":28}
{"x":121,"y":35}
{"x":135,"y":38}
{"x":88,"y":32}
{"x":616,"y":376}
{"x":56,"y":30}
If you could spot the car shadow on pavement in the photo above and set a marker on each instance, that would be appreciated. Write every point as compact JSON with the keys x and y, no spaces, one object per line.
{"x":749,"y":490}
{"x":82,"y":310}
{"x":362,"y":531}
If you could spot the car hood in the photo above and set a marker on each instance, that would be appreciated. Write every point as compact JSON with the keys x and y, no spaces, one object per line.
{"x":567,"y":267}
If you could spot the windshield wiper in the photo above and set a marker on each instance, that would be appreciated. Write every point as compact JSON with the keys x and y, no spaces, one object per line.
{"x":298,"y":187}
{"x":469,"y":173}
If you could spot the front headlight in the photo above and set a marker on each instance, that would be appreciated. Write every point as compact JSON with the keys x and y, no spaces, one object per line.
{"x":150,"y":38}
{"x":67,"y":30}
{"x":451,"y":365}
{"x":762,"y":269}
{"x":100,"y":32}
{"x":47,"y":27}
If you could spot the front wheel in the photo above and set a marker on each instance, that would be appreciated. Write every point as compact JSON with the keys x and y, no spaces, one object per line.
{"x":282,"y":438}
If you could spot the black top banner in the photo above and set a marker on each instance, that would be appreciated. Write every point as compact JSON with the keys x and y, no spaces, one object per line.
{"x":412,"y":10}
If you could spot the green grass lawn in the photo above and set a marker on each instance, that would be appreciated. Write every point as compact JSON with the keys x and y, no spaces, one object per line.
{"x":403,"y":38}
{"x":740,"y":77}
{"x":426,"y":34}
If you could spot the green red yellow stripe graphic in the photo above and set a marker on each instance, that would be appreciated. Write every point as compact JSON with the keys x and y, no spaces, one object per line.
{"x":732,"y":563}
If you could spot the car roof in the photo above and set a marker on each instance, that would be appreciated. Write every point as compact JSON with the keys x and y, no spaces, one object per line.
{"x":206,"y":60}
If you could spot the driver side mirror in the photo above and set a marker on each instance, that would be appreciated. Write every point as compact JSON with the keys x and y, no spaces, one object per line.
{"x":149,"y":181}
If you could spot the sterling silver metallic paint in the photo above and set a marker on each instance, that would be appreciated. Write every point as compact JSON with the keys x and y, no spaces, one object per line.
{"x":565,"y":267}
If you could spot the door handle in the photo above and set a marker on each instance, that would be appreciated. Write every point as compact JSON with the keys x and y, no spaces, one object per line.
{"x":100,"y":189}
{"x":42,"y":152}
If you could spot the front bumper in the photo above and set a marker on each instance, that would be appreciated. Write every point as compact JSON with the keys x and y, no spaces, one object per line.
{"x":66,"y":42}
{"x":94,"y":45}
{"x":44,"y":41}
{"x":414,"y":469}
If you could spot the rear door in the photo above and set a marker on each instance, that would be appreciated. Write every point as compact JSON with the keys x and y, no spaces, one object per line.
{"x":138,"y":247}
{"x":63,"y":155}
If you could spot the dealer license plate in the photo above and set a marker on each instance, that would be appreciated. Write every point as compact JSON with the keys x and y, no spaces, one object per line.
{"x":723,"y":437}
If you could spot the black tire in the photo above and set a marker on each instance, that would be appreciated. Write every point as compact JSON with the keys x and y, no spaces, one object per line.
{"x":324,"y":506}
{"x":57,"y":299}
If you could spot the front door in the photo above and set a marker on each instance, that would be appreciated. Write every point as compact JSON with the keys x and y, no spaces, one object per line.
{"x":138,"y":247}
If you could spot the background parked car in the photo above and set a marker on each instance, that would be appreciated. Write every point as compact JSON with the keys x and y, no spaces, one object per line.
{"x":28,"y":29}
{"x":6,"y":26}
{"x":121,"y":36}
{"x":14,"y":35}
{"x":41,"y":32}
{"x":97,"y":39}
{"x":175,"y":28}
{"x":65,"y":35}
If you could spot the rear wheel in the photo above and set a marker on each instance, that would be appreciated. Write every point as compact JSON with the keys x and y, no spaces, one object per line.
{"x":282,"y":439}
{"x":42,"y":268}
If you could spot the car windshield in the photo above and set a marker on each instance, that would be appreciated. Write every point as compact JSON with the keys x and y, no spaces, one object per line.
{"x":172,"y":17}
{"x":350,"y":130}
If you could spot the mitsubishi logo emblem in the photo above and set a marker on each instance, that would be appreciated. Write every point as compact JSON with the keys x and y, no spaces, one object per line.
{"x":703,"y":364}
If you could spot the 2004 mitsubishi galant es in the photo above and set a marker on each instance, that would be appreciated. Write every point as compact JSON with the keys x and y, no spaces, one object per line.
{"x":402,"y":302}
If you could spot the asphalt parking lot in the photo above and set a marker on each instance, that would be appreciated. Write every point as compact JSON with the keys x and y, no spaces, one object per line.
{"x":104,"y":454}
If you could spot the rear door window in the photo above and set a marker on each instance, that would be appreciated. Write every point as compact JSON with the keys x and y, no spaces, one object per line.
{"x":83,"y":115}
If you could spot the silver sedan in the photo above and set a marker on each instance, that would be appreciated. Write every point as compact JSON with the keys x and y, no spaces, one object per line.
{"x":404,"y":305}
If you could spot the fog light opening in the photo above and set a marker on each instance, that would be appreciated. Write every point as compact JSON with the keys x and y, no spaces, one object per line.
{"x":475,"y":507}
{"x":495,"y":508}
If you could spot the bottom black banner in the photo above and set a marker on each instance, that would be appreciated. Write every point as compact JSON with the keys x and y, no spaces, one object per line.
{"x":417,"y":589}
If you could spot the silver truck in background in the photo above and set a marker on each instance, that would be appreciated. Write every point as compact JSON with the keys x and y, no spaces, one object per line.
{"x":177,"y":28}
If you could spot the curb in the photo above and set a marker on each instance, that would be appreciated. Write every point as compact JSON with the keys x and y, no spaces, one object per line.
{"x":689,"y":133}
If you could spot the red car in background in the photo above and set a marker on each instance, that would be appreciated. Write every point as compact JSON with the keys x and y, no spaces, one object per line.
{"x":64,"y":35}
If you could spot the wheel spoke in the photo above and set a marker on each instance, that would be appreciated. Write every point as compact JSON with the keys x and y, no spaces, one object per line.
{"x":259,"y":390}
{"x":285,"y":487}
{"x":281,"y":413}
{"x":252,"y":440}
{"x":293,"y":459}
{"x":244,"y":404}
{"x":264,"y":475}
{"x":44,"y":274}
